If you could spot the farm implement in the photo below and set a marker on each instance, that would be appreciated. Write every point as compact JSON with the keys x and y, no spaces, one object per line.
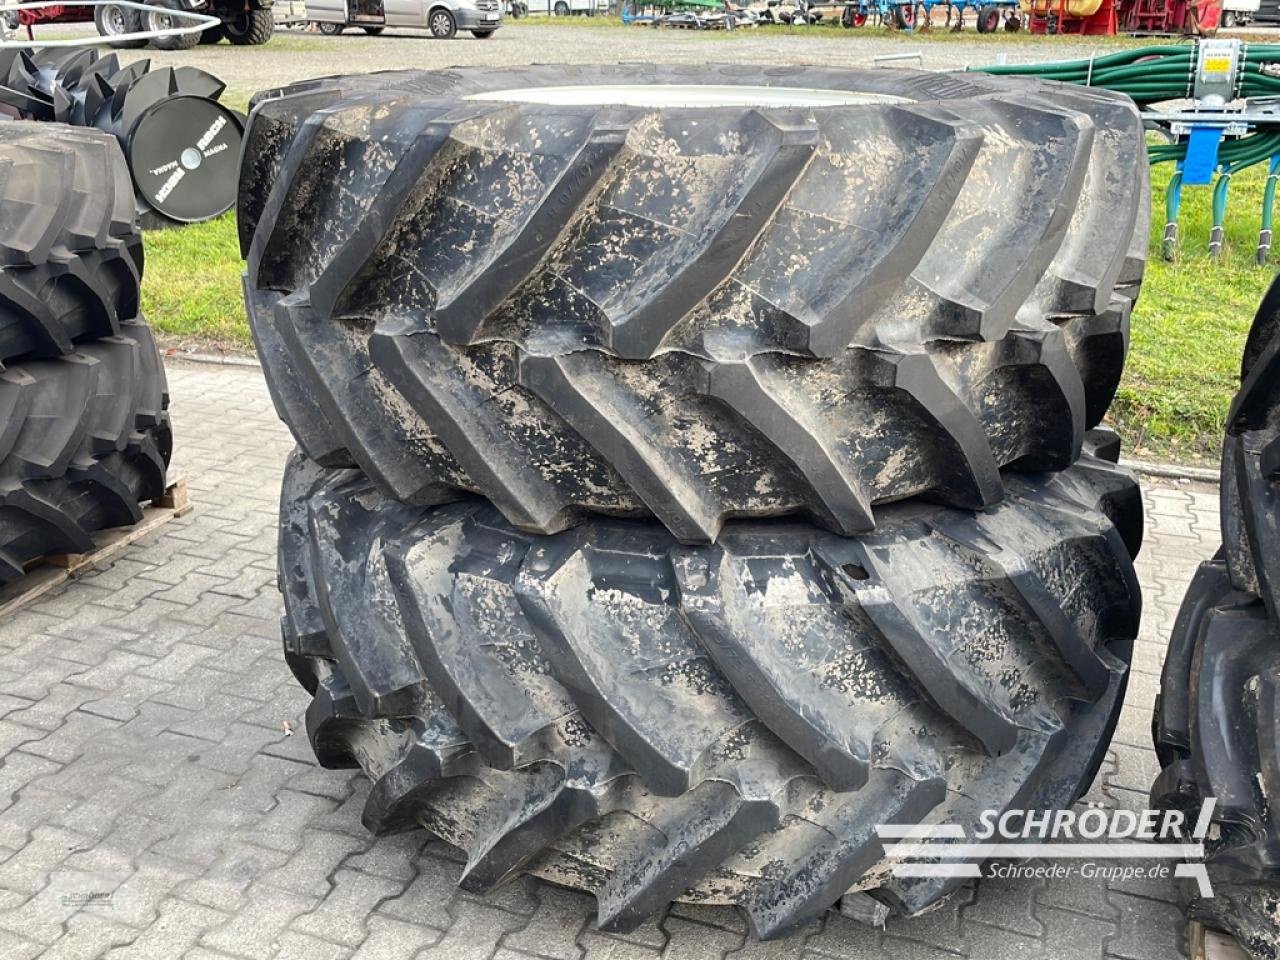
{"x":1232,"y":123}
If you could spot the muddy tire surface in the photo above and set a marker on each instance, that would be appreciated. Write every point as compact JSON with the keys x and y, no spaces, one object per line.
{"x":612,"y":710}
{"x":610,"y":305}
{"x":1217,"y":722}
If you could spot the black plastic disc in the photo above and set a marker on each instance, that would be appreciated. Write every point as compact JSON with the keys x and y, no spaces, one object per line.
{"x":184,"y":153}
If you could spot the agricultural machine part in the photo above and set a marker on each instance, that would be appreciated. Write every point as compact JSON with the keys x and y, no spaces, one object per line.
{"x":130,"y":23}
{"x":1108,"y":17}
{"x":901,"y":16}
{"x":758,"y":364}
{"x":84,"y":430}
{"x":166,"y":24}
{"x":989,"y":17}
{"x":612,"y":711}
{"x":182,"y":146}
{"x":1217,"y":721}
{"x":1080,"y":17}
{"x":1234,"y":123}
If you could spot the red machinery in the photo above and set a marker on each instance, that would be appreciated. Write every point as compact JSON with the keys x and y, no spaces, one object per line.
{"x":1108,"y":17}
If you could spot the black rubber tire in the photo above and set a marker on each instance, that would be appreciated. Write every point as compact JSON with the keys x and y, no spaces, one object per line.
{"x":558,"y":381}
{"x":159,"y":21}
{"x":1250,"y":488}
{"x":107,"y":23}
{"x":70,"y":249}
{"x":213,"y":35}
{"x":560,"y":9}
{"x":85,"y":440}
{"x":904,"y":16}
{"x":332,"y":29}
{"x":1217,"y":734}
{"x":442,"y":24}
{"x":252,"y":29}
{"x":989,"y":19}
{"x":612,"y":711}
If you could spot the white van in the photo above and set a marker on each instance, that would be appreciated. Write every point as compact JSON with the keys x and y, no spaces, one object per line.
{"x":1236,"y":13}
{"x":443,"y":18}
{"x":562,"y":8}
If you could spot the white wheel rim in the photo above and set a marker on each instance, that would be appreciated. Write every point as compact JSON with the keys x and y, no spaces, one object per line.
{"x":686,"y":95}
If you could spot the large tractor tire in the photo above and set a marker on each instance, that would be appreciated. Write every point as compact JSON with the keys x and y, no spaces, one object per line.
{"x":1251,"y":463}
{"x":1217,"y":734}
{"x":84,"y":427}
{"x":113,"y":20}
{"x":251,"y":28}
{"x":84,"y":439}
{"x":599,"y":307}
{"x":1217,"y":722}
{"x":614,"y":711}
{"x":70,"y":250}
{"x":156,"y":20}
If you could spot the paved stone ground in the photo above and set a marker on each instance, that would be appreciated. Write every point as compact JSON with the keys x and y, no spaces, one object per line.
{"x":152,"y":805}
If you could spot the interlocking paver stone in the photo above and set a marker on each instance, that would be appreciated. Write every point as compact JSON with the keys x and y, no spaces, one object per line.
{"x":144,"y":754}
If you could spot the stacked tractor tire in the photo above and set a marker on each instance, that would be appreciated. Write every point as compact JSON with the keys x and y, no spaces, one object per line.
{"x":1217,"y":723}
{"x":84,"y":427}
{"x":681,"y":493}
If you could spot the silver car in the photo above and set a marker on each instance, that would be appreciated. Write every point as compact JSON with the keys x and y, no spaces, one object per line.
{"x":443,"y":18}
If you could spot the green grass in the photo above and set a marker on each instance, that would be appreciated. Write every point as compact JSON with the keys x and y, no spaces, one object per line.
{"x":191,"y":287}
{"x":1188,"y":329}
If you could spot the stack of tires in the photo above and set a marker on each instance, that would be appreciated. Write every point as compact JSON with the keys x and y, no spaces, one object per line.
{"x":84,"y":427}
{"x":681,"y":491}
{"x":1217,"y":722}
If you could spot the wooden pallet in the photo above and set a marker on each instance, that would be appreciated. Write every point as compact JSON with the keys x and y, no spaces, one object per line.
{"x":1206,"y":944}
{"x":49,"y":572}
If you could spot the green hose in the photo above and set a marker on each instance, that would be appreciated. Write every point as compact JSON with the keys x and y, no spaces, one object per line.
{"x":1153,"y":74}
{"x":1157,"y":74}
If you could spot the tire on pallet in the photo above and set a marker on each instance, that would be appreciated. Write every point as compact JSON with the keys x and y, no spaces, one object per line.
{"x":611,"y":710}
{"x":84,"y":440}
{"x":84,"y":424}
{"x":599,"y":308}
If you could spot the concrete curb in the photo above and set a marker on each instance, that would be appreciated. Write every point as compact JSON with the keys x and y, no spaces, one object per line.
{"x":215,"y":359}
{"x":1173,"y":471}
{"x":1168,"y":471}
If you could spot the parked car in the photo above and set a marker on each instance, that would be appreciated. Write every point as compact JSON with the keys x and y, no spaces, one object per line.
{"x":443,"y":18}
